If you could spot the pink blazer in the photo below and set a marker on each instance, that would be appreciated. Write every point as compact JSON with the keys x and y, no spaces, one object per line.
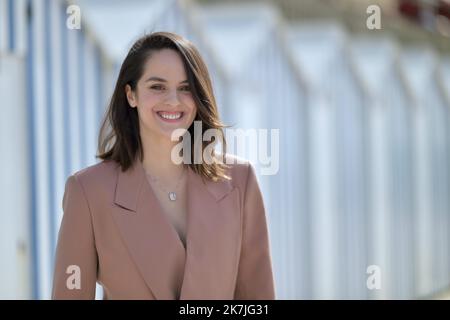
{"x":114,"y":232}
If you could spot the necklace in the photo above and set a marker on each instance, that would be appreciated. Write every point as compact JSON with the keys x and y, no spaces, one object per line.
{"x":172,"y":194}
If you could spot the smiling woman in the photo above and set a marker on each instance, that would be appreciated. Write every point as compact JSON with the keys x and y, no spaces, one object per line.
{"x":145,"y":227}
{"x":164,"y":77}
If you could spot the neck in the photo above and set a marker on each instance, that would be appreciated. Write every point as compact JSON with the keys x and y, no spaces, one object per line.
{"x":157,"y":157}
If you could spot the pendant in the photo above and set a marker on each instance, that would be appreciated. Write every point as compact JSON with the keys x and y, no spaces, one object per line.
{"x":172,"y":196}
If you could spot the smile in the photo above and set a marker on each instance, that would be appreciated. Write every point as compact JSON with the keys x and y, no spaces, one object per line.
{"x":170,"y":116}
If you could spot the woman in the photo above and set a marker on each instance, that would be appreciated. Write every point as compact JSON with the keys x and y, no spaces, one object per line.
{"x":147,"y":227}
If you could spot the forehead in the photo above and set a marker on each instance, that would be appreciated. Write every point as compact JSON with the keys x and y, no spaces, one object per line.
{"x":165,"y":63}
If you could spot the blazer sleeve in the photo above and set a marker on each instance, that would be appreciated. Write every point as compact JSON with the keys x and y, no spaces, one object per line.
{"x":75,"y":271}
{"x":255,"y":278}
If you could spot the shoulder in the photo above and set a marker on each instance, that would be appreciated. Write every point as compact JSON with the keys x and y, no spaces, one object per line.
{"x":243,"y":177}
{"x":98,"y":175}
{"x":239,"y":169}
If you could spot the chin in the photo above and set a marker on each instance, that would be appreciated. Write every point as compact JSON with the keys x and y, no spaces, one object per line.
{"x":168,"y":134}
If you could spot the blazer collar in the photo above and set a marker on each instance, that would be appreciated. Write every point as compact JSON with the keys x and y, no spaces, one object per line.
{"x":213,"y":226}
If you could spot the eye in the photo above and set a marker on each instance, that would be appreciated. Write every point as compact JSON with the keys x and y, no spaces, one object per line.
{"x":185,"y":88}
{"x":157,"y":87}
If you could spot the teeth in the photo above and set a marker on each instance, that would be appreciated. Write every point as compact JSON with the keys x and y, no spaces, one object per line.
{"x":170,"y":116}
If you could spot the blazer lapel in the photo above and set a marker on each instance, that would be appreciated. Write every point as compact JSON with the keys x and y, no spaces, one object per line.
{"x":213,"y":239}
{"x":152,"y":243}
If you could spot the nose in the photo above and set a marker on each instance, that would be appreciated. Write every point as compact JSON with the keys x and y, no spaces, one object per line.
{"x":172,"y":98}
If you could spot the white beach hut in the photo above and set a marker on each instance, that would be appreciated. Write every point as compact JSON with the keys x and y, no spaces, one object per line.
{"x":391,"y":224}
{"x":338,"y":178}
{"x":421,"y":67}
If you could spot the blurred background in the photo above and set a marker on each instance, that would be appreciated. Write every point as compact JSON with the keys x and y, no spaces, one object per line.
{"x":360,"y":91}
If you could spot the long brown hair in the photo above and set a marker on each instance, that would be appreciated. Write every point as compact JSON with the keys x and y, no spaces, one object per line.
{"x":119,"y":138}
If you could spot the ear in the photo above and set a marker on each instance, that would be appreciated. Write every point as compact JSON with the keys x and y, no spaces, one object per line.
{"x":130,"y":96}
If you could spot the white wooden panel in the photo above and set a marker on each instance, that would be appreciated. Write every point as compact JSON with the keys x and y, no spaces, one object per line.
{"x":15,"y":246}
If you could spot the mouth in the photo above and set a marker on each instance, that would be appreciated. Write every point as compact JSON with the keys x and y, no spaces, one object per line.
{"x":170,"y":117}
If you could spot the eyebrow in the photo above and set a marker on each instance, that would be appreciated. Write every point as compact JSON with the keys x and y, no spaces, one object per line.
{"x":161,"y":80}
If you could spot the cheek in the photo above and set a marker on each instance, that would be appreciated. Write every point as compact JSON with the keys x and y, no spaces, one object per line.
{"x":146,"y":102}
{"x":148,"y":99}
{"x":189,"y":102}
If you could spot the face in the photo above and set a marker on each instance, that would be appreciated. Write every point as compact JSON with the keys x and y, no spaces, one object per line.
{"x":162,"y":96}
